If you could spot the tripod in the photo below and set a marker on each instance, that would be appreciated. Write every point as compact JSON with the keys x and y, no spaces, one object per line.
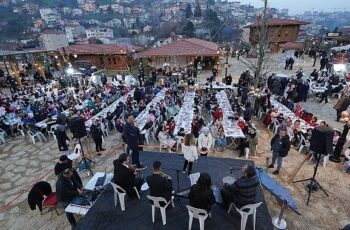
{"x":313,"y":181}
{"x":84,"y":160}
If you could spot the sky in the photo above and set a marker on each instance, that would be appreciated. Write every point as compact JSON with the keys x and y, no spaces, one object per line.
{"x":299,"y":6}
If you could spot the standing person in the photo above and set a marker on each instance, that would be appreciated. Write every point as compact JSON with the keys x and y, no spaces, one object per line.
{"x":243,"y":191}
{"x":228,"y":79}
{"x":104,"y":79}
{"x":280,"y":145}
{"x":201,"y":195}
{"x":160,"y":184}
{"x":154,"y":76}
{"x":96,"y":133}
{"x":132,"y":137}
{"x":205,"y":142}
{"x":190,"y":152}
{"x":66,"y":190}
{"x":326,"y":92}
{"x":62,"y":138}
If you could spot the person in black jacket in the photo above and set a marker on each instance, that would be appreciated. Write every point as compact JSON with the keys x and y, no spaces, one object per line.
{"x":160,"y":184}
{"x":280,"y":146}
{"x":132,"y":136}
{"x":61,"y":137}
{"x":228,"y":79}
{"x":248,"y":112}
{"x":327,"y":92}
{"x":201,"y":196}
{"x":243,"y":191}
{"x":66,"y":190}
{"x":104,"y":79}
{"x":96,"y":133}
{"x":124,"y":175}
{"x":65,"y":163}
{"x":37,"y":193}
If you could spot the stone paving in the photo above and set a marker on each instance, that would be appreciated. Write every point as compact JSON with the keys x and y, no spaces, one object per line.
{"x":21,"y":163}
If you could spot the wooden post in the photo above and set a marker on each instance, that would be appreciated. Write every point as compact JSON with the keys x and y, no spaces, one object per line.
{"x":39,"y":66}
{"x":296,"y":170}
{"x":15,"y":70}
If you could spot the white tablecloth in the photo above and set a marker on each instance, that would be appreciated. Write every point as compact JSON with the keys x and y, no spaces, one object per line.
{"x":185,"y":115}
{"x":110,"y":108}
{"x":141,"y":119}
{"x":230,"y":126}
{"x":288,"y":113}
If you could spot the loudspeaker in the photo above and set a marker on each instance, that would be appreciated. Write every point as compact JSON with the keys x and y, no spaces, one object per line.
{"x":77,"y":127}
{"x":322,"y":140}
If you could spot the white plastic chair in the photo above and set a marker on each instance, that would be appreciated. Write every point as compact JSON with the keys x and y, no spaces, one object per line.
{"x":246,"y":152}
{"x":301,"y":145}
{"x":32,"y":137}
{"x":76,"y":153}
{"x":197,"y":213}
{"x":156,"y":204}
{"x":194,"y":178}
{"x":52,"y":131}
{"x":20,"y":128}
{"x":120,"y":193}
{"x":179,"y":141}
{"x":2,"y":136}
{"x":245,"y":214}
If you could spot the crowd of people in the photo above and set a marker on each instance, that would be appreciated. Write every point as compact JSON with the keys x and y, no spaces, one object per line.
{"x":31,"y":107}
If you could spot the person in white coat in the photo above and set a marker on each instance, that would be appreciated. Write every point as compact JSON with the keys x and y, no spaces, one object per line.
{"x":205,"y":142}
{"x":190,"y":152}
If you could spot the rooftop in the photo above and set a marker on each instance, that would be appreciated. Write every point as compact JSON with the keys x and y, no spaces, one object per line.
{"x":277,"y":22}
{"x":184,"y":47}
{"x":97,"y":49}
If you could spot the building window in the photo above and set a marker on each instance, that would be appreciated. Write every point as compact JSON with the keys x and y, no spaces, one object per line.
{"x":102,"y":61}
{"x":114,"y":61}
{"x":109,"y":61}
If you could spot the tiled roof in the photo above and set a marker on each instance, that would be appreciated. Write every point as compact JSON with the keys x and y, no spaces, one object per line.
{"x":96,"y":49}
{"x":291,"y":46}
{"x":277,"y":22}
{"x":184,"y":47}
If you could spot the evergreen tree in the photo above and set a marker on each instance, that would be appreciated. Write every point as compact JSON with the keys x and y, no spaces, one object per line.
{"x":188,"y":30}
{"x":197,"y":11}
{"x":188,"y":11}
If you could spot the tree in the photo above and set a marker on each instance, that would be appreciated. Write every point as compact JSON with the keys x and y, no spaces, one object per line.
{"x":197,"y":11}
{"x":188,"y":12}
{"x":211,"y":21}
{"x":261,"y":67}
{"x":189,"y":29}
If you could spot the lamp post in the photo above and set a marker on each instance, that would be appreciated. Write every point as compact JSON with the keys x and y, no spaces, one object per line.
{"x":226,"y":61}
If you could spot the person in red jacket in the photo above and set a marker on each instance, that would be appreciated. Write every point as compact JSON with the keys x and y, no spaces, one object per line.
{"x":217,"y":114}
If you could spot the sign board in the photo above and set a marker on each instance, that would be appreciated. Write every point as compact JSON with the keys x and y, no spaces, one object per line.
{"x":334,"y":34}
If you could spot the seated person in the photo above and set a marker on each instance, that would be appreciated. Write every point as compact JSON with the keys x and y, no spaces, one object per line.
{"x":314,"y":122}
{"x":165,"y":138}
{"x":65,"y":163}
{"x":201,"y":196}
{"x":67,"y":189}
{"x":243,"y":191}
{"x":160,"y":184}
{"x":205,"y":142}
{"x":336,"y":136}
{"x":125,"y":175}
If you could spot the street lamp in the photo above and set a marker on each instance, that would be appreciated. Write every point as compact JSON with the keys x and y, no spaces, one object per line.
{"x":226,"y":61}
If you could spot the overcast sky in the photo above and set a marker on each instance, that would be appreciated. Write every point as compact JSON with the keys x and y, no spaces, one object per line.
{"x":299,"y":6}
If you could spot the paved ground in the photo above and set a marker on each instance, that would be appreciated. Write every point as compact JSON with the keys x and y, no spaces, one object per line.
{"x":21,"y":163}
